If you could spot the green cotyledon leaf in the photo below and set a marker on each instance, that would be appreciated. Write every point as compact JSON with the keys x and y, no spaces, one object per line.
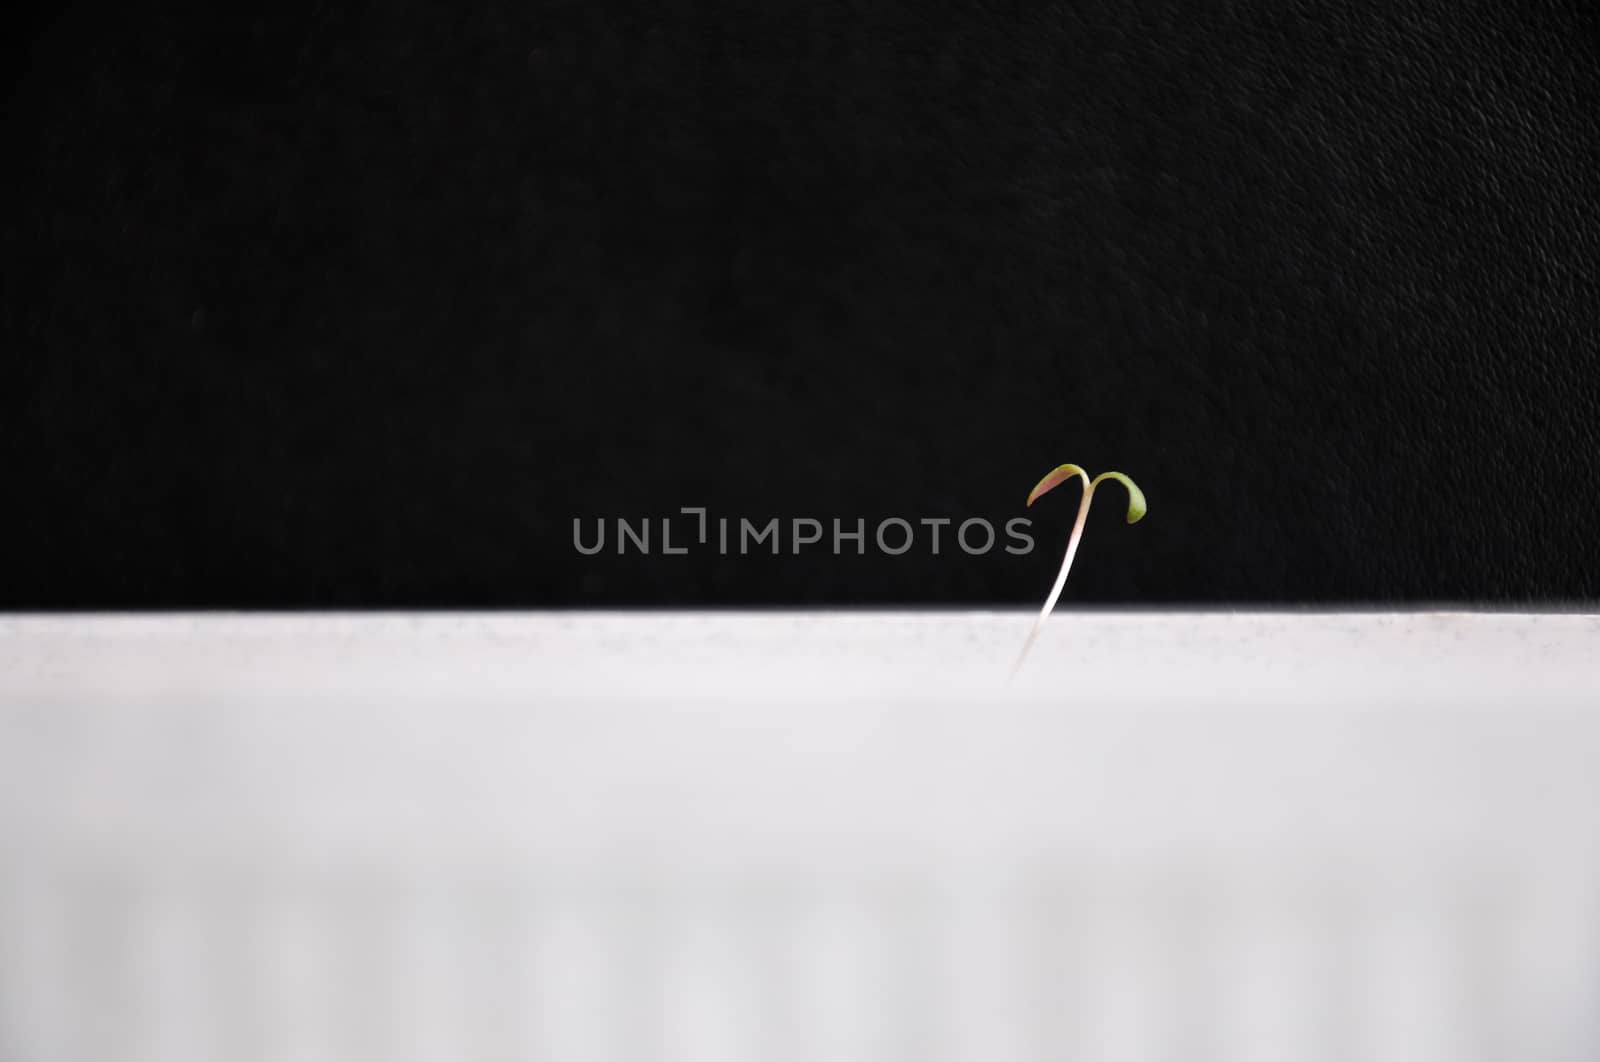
{"x":1136,"y":503}
{"x":1055,"y":478}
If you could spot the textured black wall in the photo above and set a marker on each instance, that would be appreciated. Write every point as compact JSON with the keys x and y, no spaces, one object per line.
{"x":362,"y":305}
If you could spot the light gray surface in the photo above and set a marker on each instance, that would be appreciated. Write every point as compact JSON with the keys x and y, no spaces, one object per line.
{"x":801,"y":835}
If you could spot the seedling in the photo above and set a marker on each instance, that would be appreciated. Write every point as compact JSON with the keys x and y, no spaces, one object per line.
{"x":1058,"y":476}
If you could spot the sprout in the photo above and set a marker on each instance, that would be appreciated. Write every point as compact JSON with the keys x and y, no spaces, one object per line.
{"x":1058,"y":476}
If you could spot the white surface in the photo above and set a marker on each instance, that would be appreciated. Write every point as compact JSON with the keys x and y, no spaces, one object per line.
{"x":800,"y":835}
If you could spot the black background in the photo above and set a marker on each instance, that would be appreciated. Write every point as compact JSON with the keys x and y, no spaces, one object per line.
{"x":362,"y":305}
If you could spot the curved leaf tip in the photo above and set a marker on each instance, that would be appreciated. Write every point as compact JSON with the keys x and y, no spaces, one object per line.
{"x":1055,"y":478}
{"x":1136,"y":503}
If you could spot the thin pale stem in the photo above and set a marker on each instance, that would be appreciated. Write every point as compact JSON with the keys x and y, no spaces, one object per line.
{"x":1061,"y":576}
